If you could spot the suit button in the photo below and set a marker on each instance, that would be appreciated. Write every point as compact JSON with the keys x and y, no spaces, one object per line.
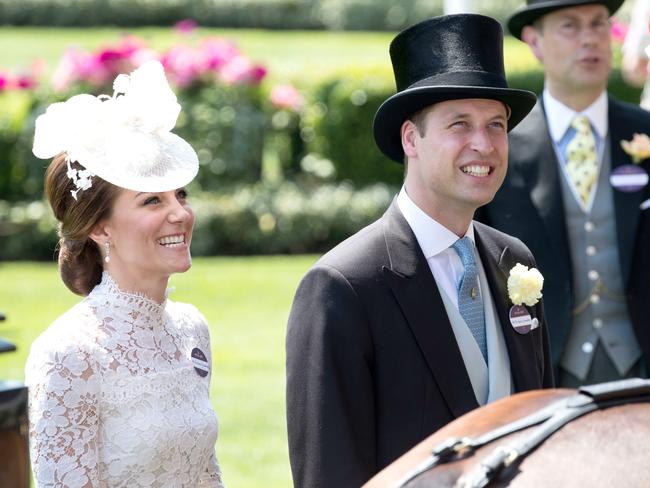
{"x":598,"y":323}
{"x":587,"y":348}
{"x":594,"y":298}
{"x":591,"y":250}
{"x":593,"y":275}
{"x":589,"y":226}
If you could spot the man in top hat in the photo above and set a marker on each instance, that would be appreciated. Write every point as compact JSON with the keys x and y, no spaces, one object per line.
{"x":577,"y":199}
{"x":407,"y":325}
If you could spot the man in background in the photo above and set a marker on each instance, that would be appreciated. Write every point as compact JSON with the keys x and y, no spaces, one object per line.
{"x":577,"y":199}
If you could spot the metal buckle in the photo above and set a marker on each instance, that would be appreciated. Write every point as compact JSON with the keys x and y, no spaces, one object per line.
{"x":451,"y":447}
{"x":510,"y":455}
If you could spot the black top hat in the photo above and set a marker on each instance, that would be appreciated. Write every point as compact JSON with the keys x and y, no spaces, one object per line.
{"x":534,"y":9}
{"x":446,"y":58}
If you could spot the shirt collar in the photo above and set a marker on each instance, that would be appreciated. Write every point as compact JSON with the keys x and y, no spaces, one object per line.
{"x":432,"y":236}
{"x":559,"y":116}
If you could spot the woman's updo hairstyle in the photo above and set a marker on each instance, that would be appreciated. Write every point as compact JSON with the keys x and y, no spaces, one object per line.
{"x":80,"y":261}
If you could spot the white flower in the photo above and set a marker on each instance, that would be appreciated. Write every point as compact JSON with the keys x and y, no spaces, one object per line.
{"x":638,"y":148}
{"x":525,"y":285}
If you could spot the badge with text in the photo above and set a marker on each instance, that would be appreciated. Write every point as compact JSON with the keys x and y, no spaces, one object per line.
{"x":521,"y":320}
{"x":629,"y":178}
{"x":200,"y":362}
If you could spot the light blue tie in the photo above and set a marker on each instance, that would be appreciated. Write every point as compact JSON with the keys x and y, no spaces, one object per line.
{"x":470,"y":304}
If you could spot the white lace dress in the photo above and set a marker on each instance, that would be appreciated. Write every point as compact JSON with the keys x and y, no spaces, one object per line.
{"x":116,"y":399}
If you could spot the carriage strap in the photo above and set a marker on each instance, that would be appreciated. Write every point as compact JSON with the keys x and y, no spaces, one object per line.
{"x":588,"y":399}
{"x":552,"y":417}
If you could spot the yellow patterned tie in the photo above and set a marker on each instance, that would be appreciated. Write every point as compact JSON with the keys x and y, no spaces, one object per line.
{"x":581,"y":158}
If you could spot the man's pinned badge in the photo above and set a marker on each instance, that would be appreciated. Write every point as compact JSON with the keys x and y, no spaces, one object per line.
{"x":200,"y":362}
{"x":521,"y":320}
{"x":629,"y":178}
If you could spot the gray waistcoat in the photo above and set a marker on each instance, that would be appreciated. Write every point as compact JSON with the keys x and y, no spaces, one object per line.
{"x":600,"y":308}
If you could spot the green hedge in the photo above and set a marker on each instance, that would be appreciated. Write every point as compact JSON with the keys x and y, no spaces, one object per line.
{"x":270,"y":14}
{"x":338,"y":127}
{"x":226,"y":124}
{"x":288,"y":217}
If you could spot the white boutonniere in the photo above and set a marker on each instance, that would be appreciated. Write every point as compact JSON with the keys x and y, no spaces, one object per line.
{"x":525,"y":285}
{"x":638,"y":148}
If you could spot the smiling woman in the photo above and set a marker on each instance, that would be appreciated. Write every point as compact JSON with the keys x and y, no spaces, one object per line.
{"x":148,"y":238}
{"x":123,"y":377}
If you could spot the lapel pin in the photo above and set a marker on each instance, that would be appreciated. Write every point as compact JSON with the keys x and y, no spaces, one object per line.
{"x":629,"y":178}
{"x":521,"y":320}
{"x":200,"y":362}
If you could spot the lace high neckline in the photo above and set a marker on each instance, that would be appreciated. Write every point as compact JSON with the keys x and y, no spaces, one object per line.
{"x":143,"y":310}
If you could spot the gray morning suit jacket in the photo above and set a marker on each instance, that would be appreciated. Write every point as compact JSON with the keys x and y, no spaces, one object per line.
{"x":373,"y":366}
{"x":529,"y":206}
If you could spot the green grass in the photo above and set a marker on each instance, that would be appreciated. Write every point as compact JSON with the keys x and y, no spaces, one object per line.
{"x":246,"y":302}
{"x":290,"y":55}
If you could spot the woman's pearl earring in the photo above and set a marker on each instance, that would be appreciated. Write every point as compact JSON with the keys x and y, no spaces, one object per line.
{"x":107,"y":248}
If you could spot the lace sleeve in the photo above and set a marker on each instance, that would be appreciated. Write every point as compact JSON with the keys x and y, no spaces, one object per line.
{"x":63,"y":415}
{"x":212,"y":475}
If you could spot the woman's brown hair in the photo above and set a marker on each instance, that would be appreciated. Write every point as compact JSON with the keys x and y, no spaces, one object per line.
{"x":80,"y":262}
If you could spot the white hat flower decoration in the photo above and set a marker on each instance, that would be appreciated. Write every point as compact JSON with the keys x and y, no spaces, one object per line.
{"x":125,"y":139}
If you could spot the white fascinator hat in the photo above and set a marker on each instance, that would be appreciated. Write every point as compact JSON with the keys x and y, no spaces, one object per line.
{"x":125,"y":139}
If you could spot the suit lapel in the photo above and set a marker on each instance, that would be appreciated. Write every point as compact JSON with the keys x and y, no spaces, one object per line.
{"x":498,"y":260}
{"x":412,"y":283}
{"x":626,"y":205}
{"x":544,"y":186}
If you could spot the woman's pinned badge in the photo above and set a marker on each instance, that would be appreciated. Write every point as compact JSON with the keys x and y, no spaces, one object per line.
{"x":200,"y":362}
{"x":629,"y":178}
{"x":521,"y":320}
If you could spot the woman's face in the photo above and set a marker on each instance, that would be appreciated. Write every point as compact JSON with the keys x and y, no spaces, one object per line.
{"x":149,"y":235}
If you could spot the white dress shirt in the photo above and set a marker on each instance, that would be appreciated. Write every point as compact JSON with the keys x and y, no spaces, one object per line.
{"x":436,"y":240}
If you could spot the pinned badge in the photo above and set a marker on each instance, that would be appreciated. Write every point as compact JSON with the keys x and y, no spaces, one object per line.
{"x":200,"y":362}
{"x":629,"y":178}
{"x":521,"y":320}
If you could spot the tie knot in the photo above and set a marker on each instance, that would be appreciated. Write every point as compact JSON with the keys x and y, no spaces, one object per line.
{"x":465,"y":249}
{"x":581,"y":124}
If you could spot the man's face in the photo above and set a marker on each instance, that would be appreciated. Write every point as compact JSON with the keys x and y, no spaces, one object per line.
{"x":460,"y":161}
{"x":574,"y":45}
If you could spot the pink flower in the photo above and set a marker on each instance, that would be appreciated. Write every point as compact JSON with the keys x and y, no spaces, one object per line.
{"x":619,"y":30}
{"x":241,"y":70}
{"x":214,"y":60}
{"x":286,"y":97}
{"x":5,"y":81}
{"x":216,"y":52}
{"x":25,"y":82}
{"x":37,"y":67}
{"x":100,"y":68}
{"x":120,"y":58}
{"x":185,"y":26}
{"x":182,"y":65}
{"x":75,"y":66}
